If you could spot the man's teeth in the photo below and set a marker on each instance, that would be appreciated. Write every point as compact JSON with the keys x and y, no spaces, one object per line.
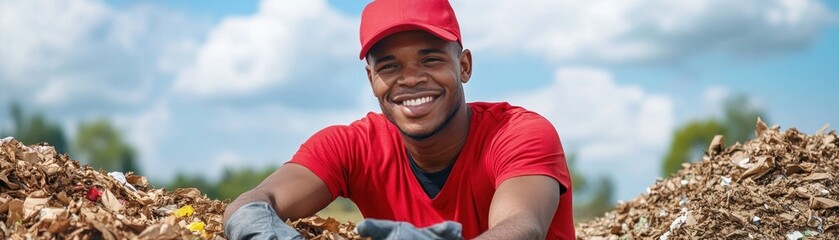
{"x":418,"y":101}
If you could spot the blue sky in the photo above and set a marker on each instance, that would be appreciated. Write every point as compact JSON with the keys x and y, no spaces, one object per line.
{"x":200,"y":85}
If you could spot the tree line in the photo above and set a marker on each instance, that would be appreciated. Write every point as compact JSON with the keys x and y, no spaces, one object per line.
{"x":101,"y":145}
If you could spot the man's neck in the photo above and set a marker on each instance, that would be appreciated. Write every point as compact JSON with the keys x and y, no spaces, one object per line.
{"x":439,"y":151}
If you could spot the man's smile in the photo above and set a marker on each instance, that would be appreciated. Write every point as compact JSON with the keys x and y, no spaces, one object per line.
{"x":416,"y":105}
{"x":416,"y":101}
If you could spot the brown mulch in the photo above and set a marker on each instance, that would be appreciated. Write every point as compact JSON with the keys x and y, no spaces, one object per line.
{"x":318,"y":228}
{"x":46,"y":195}
{"x":780,"y":185}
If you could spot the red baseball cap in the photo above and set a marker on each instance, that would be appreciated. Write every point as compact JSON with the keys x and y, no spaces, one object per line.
{"x":381,"y":18}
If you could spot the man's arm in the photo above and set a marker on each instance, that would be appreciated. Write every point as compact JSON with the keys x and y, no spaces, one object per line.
{"x":293,"y":191}
{"x":523,"y":208}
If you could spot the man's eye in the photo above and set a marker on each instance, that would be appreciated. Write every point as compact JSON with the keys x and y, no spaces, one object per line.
{"x":387,"y":67}
{"x":429,"y":60}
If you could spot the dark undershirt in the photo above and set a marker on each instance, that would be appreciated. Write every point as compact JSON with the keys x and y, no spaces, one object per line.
{"x":431,"y":183}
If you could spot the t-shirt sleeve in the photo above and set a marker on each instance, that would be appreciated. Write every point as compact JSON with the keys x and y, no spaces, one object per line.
{"x":327,"y":154}
{"x":529,"y":145}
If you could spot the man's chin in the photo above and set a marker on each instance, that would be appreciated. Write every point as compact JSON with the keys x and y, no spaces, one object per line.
{"x":417,"y":134}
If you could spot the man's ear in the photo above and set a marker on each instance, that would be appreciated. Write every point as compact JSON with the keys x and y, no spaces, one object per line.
{"x":369,"y":70}
{"x":369,"y":73}
{"x":465,"y":65}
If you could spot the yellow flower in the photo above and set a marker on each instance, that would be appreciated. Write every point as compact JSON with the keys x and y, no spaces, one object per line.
{"x":196,"y":226}
{"x":184,"y":211}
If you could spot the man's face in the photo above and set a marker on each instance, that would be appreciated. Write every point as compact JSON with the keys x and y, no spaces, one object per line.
{"x":418,"y":78}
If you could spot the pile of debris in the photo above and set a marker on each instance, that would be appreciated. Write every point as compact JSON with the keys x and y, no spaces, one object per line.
{"x":46,"y":195}
{"x":317,"y":228}
{"x":782,"y":184}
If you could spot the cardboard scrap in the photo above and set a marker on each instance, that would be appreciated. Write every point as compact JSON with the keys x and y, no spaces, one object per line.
{"x":717,"y":145}
{"x":319,"y":228}
{"x":757,"y":170}
{"x":14,"y":211}
{"x":823,"y":203}
{"x":780,"y":185}
{"x":111,"y":202}
{"x":34,"y":202}
{"x":817,"y":176}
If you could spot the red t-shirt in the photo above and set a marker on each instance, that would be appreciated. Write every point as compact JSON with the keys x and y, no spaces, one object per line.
{"x":367,"y":163}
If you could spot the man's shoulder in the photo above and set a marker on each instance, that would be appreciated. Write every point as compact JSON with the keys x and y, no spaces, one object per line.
{"x":504,"y":112}
{"x":372,"y":123}
{"x":371,"y":119}
{"x":504,"y":122}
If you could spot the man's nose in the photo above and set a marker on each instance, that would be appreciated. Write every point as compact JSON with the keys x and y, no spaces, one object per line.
{"x":412,"y":75}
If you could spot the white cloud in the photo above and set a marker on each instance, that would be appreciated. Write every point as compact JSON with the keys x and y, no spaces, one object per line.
{"x":619,"y":128}
{"x":85,"y":54}
{"x":640,"y":31}
{"x":586,"y":104}
{"x":222,"y":159}
{"x":284,"y":121}
{"x":713,"y":98}
{"x":38,"y":33}
{"x":304,"y":42}
{"x":58,"y":90}
{"x":146,"y":130}
{"x":714,"y":95}
{"x":227,"y":158}
{"x":206,"y":138}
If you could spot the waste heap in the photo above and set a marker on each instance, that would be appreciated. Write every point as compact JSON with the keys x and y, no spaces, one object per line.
{"x":317,"y":228}
{"x":780,"y":185}
{"x":46,"y":195}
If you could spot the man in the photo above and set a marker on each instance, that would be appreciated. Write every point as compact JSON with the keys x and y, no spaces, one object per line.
{"x":430,"y":166}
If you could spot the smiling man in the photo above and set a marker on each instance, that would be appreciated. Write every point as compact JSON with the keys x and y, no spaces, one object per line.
{"x":430,"y":166}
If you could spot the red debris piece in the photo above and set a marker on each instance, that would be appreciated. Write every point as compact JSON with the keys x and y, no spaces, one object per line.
{"x":93,"y":194}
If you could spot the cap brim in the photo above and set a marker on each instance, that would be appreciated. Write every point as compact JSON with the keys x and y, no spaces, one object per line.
{"x":434,"y":30}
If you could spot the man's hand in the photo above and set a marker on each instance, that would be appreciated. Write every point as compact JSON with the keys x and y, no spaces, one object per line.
{"x":290,"y":192}
{"x":391,"y":230}
{"x":258,"y":221}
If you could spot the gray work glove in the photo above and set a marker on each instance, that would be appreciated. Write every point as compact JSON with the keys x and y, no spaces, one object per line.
{"x":258,"y":221}
{"x":392,"y":230}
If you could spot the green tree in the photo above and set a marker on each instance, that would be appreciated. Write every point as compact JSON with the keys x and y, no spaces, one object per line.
{"x":691,"y":139}
{"x":591,"y":198}
{"x":600,"y":200}
{"x":101,"y":145}
{"x":689,"y":142}
{"x":740,"y":119}
{"x":35,"y":128}
{"x":577,"y":178}
{"x":234,"y":182}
